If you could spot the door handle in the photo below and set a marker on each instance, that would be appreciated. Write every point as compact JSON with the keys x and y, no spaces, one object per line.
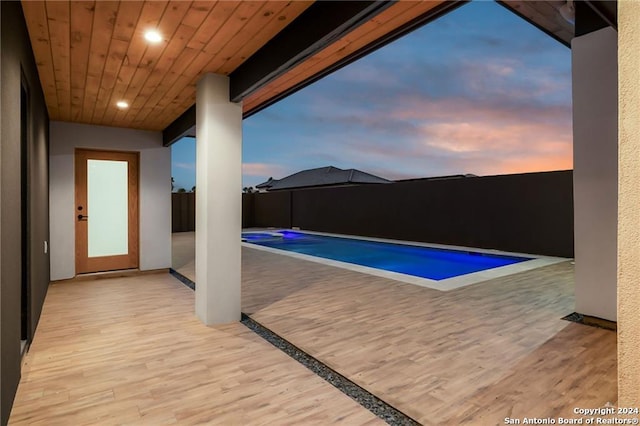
{"x":82,"y":217}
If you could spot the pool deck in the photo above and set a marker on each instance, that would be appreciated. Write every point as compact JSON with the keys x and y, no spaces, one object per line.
{"x":130,"y":350}
{"x":474,"y":355}
{"x":479,"y":354}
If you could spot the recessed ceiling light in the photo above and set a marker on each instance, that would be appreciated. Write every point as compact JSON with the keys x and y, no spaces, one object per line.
{"x":153,"y":36}
{"x":122,"y":104}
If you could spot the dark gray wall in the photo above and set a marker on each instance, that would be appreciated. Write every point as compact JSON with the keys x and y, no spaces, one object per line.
{"x":247,"y":210}
{"x":17,"y":58}
{"x":272,"y":209}
{"x":527,"y":213}
{"x":183,"y":211}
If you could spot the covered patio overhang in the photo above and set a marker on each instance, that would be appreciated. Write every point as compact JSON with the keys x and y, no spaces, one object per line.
{"x":233,"y":59}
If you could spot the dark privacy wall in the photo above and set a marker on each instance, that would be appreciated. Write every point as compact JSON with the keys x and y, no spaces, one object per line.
{"x":18,"y":65}
{"x":247,"y":210}
{"x":527,"y":213}
{"x":183,"y":211}
{"x":272,"y":209}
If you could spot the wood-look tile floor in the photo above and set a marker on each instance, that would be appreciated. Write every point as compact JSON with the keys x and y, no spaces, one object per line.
{"x":183,"y":253}
{"x":470,"y":356}
{"x":474,"y":355}
{"x":130,"y":351}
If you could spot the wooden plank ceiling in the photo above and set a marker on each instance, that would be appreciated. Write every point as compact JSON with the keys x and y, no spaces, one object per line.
{"x":92,"y":54}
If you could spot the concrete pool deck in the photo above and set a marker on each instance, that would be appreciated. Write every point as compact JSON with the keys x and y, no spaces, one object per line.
{"x":472,"y":355}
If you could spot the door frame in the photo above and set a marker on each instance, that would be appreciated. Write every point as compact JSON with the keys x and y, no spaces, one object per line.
{"x":84,"y":263}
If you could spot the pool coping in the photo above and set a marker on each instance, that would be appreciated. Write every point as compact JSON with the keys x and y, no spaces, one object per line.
{"x":447,"y":284}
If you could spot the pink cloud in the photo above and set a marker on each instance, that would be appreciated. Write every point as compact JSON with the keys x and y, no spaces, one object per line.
{"x":450,"y":136}
{"x":480,"y":136}
{"x":262,"y":170}
{"x":500,"y":119}
{"x":491,"y":165}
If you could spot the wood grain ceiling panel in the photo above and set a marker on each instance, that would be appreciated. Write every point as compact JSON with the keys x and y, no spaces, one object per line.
{"x":92,"y":54}
{"x":178,"y":56}
{"x":100,"y":36}
{"x":38,"y":24}
{"x":152,"y":59}
{"x":128,"y":15}
{"x":82,"y":23}
{"x":148,"y":17}
{"x":59,"y":34}
{"x":387,"y":21}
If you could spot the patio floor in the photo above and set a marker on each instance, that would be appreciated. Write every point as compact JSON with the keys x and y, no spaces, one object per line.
{"x":474,"y":355}
{"x":129,"y":350}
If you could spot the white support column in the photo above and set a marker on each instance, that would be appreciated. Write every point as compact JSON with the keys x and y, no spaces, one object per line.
{"x":218,"y":201}
{"x":629,"y":206}
{"x":595,"y":171}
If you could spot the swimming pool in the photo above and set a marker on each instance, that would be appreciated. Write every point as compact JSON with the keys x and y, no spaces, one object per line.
{"x":435,"y":267}
{"x":425,"y":262}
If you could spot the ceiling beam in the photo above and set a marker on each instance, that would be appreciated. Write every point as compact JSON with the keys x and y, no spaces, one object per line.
{"x":401,"y":31}
{"x":594,"y":15}
{"x":185,"y":125}
{"x":606,"y":10}
{"x":317,"y":27}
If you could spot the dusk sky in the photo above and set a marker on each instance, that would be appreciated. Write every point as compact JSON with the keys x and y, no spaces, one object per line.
{"x":478,"y":91}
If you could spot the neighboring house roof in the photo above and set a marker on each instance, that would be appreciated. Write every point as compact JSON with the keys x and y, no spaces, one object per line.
{"x":323,"y":176}
{"x":266,"y":184}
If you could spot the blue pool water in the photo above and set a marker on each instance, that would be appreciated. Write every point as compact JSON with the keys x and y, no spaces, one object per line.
{"x":432,"y":263}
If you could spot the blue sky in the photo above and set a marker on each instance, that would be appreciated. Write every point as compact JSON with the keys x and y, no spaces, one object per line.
{"x":477,"y":91}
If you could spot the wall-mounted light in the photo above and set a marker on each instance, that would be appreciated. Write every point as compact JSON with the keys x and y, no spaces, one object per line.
{"x":153,"y":36}
{"x":568,"y":12}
